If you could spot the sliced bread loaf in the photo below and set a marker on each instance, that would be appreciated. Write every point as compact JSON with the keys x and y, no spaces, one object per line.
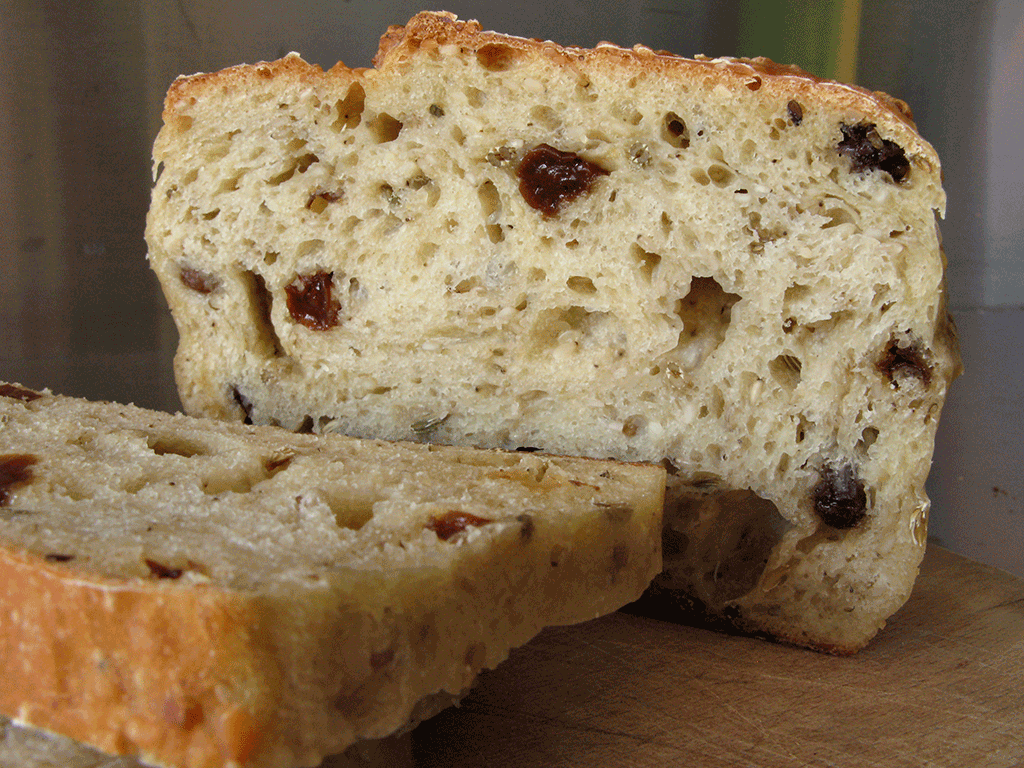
{"x":728,"y":266}
{"x":200,"y":593}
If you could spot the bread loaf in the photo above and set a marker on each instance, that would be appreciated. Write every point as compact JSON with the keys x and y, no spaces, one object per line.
{"x":728,"y":266}
{"x":197,"y":593}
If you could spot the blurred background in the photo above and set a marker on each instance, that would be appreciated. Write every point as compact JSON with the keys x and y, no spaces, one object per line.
{"x":81,"y":87}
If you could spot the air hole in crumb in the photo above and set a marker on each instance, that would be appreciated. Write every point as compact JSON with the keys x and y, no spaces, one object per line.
{"x":490,"y":203}
{"x":628,"y":113}
{"x":298,"y":164}
{"x":646,"y":261}
{"x":706,"y":312}
{"x":634,"y":425}
{"x":786,"y":369}
{"x":467,"y":285}
{"x":582,"y":285}
{"x":723,"y":561}
{"x":318,"y":201}
{"x":384,"y":128}
{"x":720,"y":175}
{"x":267,"y":342}
{"x":348,"y":513}
{"x":349,"y":109}
{"x":802,"y":427}
{"x":496,"y":57}
{"x":867,"y":439}
{"x":573,"y":325}
{"x":700,"y":176}
{"x":475,"y":97}
{"x":837,"y":216}
{"x":173,"y":444}
{"x":674,"y":131}
{"x":546,"y":117}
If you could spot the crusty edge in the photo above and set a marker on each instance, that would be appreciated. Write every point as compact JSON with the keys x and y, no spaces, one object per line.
{"x":433,"y":29}
{"x":94,"y":657}
{"x":753,"y":74}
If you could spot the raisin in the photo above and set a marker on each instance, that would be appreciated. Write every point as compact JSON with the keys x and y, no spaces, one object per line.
{"x":795,"y":111}
{"x":198,"y":281}
{"x":18,"y":393}
{"x":162,"y":571}
{"x":59,"y":558}
{"x":453,"y":522}
{"x":310,"y":302}
{"x":839,"y":497}
{"x":15,"y":470}
{"x":549,"y":177}
{"x":867,"y":150}
{"x":905,"y":360}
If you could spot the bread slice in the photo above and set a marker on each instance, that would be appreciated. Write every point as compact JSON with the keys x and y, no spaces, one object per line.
{"x":200,"y":593}
{"x":725,"y":265}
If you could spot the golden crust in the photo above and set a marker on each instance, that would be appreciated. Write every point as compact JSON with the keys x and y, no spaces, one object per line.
{"x":430,"y":28}
{"x":121,"y":678}
{"x":428,"y":31}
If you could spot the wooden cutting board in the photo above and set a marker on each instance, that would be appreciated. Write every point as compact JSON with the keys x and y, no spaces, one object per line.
{"x":942,"y":685}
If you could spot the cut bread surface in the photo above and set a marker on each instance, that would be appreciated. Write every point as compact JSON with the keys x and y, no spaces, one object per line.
{"x":198,"y":593}
{"x":727,"y":266}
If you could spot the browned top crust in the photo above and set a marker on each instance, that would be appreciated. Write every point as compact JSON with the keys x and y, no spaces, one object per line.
{"x":444,"y":28}
{"x":430,"y":30}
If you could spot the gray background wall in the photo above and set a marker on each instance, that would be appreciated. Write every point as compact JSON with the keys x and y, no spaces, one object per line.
{"x":81,"y":85}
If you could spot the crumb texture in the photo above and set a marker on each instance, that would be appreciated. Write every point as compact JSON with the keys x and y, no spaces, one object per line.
{"x":726,"y":266}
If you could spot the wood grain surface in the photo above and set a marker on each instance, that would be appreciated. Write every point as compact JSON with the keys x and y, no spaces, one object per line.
{"x":940,"y":686}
